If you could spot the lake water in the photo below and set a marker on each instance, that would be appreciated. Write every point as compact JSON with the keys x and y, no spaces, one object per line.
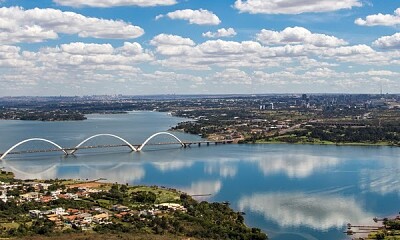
{"x":289,"y":191}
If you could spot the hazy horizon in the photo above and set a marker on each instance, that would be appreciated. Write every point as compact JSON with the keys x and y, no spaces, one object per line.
{"x":194,"y":94}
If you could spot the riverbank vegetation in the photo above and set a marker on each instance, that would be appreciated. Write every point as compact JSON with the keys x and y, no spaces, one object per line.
{"x":384,"y":135}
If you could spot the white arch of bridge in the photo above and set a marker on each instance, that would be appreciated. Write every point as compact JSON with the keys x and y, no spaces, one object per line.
{"x":102,"y":135}
{"x":157,"y":134}
{"x":31,"y":140}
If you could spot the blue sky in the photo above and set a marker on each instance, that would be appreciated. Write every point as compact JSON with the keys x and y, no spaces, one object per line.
{"x":137,"y":47}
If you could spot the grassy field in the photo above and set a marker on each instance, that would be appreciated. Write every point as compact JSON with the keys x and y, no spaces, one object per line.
{"x":9,"y":225}
{"x":6,"y":176}
{"x":163,"y":195}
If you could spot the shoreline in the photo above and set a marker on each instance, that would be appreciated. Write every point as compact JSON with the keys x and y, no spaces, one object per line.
{"x":359,"y":144}
{"x":355,"y":144}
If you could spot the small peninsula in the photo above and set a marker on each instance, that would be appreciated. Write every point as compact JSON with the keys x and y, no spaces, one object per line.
{"x":71,"y":209}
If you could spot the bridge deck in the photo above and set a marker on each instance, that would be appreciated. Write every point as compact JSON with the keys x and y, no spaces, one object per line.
{"x":117,"y":145}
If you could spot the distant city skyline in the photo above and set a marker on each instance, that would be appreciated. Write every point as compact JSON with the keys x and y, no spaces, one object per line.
{"x":148,"y":47}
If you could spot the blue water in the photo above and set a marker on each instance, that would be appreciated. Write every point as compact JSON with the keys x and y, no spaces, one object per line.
{"x":289,"y":191}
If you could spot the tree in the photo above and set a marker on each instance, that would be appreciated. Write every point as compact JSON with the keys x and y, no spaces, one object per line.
{"x":123,"y":188}
{"x":144,"y":197}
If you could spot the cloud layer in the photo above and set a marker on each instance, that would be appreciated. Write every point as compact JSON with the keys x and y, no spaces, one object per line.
{"x":200,"y":17}
{"x":294,"y":6}
{"x":115,"y":3}
{"x":388,"y":41}
{"x":37,"y":25}
{"x":298,"y":35}
{"x":268,"y":60}
{"x":275,"y":60}
{"x":222,"y":32}
{"x":380,"y":19}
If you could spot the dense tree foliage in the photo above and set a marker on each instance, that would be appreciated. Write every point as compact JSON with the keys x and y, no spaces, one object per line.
{"x":350,"y":134}
{"x":144,"y":197}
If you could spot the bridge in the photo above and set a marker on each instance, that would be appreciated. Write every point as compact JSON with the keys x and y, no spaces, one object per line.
{"x":125,"y":143}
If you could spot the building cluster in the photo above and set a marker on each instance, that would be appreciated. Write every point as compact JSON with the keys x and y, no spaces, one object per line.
{"x":74,"y":218}
{"x":33,"y":191}
{"x":85,"y":219}
{"x":238,"y":129}
{"x":156,"y":210}
{"x":259,"y":117}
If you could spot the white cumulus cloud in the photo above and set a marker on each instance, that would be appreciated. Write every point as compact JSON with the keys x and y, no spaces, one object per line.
{"x":10,"y":57}
{"x":37,"y":25}
{"x":294,"y":6}
{"x":169,"y":39}
{"x":183,"y":53}
{"x":114,"y":3}
{"x":87,"y":48}
{"x":232,"y":76}
{"x":380,"y":19}
{"x":392,"y":41}
{"x":223,"y":32}
{"x":170,"y":45}
{"x":298,"y":35}
{"x":200,"y":17}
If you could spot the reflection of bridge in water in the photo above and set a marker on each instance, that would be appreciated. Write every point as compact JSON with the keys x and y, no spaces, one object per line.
{"x":125,"y":143}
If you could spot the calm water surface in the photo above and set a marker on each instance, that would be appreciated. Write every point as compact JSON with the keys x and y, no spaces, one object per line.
{"x":289,"y":191}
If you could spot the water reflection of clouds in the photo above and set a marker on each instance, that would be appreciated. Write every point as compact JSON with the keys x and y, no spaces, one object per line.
{"x":172,"y":166}
{"x":119,"y":172}
{"x":203,"y":187}
{"x":222,"y":168}
{"x":33,"y":171}
{"x":316,"y":210}
{"x":124,"y":173}
{"x":381,"y":181}
{"x":294,"y":165}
